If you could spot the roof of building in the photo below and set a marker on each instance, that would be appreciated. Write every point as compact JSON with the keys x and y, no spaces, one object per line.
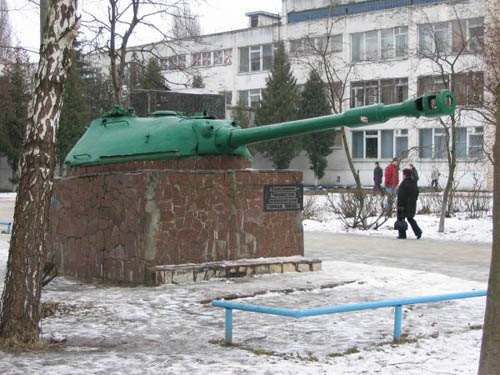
{"x":263,"y":13}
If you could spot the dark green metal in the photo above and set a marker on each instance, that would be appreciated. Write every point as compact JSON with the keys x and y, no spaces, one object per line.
{"x":119,"y":136}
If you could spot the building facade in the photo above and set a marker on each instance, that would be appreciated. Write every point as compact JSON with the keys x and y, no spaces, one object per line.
{"x":381,"y":51}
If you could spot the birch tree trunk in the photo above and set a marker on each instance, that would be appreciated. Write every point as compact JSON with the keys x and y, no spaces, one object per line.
{"x":20,"y":313}
{"x":489,"y":362}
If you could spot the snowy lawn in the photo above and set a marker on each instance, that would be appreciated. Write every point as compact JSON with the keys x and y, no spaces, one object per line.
{"x":457,"y":228}
{"x":173,"y":330}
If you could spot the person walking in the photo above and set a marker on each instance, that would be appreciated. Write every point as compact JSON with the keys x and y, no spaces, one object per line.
{"x":391,"y":182}
{"x":407,"y":204}
{"x":377,"y":177}
{"x":414,"y":173}
{"x":435,"y":177}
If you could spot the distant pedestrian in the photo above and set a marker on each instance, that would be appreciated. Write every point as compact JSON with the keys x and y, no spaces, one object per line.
{"x":377,"y":177}
{"x":435,"y":178}
{"x":407,"y":204}
{"x":414,"y":173}
{"x":391,"y":182}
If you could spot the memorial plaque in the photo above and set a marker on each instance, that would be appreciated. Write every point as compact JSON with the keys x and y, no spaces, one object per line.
{"x":283,"y":198}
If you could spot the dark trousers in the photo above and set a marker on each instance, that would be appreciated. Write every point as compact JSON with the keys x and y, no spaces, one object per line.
{"x":414,"y":226}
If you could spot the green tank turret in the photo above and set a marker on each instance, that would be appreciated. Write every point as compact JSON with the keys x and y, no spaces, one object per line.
{"x":120,"y":136}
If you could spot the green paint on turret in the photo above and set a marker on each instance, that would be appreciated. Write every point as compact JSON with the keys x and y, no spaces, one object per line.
{"x":119,"y":136}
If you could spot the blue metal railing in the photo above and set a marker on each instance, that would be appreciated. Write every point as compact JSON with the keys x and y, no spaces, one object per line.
{"x":292,"y":313}
{"x":8,"y":224}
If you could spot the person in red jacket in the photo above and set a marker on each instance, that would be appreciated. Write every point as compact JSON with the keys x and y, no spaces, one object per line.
{"x":391,"y":182}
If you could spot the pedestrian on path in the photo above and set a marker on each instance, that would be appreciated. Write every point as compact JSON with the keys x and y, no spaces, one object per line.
{"x":391,"y":182}
{"x":435,"y":177}
{"x":377,"y":177}
{"x":407,"y":204}
{"x":414,"y":173}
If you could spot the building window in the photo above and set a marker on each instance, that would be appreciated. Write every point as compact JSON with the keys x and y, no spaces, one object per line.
{"x":468,"y":87}
{"x":309,"y":46}
{"x":228,"y":56}
{"x":379,"y":144}
{"x":380,"y":44}
{"x":256,"y":58}
{"x":401,"y":142}
{"x":371,"y":144}
{"x":228,"y":97}
{"x":212,"y":58}
{"x":453,"y":36}
{"x":206,"y":59}
{"x":173,"y":63}
{"x":475,"y":142}
{"x":330,"y":43}
{"x":254,"y":21}
{"x":357,"y":144}
{"x":218,"y":57}
{"x":250,"y":98}
{"x":387,"y":91}
{"x":267,"y":56}
{"x":468,"y":143}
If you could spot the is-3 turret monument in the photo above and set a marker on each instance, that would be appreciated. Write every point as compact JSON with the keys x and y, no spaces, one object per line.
{"x":170,"y":189}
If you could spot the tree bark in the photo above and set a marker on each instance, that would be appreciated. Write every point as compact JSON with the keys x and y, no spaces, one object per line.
{"x":20,"y":314}
{"x":489,"y":362}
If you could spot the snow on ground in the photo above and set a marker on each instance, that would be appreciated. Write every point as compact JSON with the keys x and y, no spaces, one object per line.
{"x":457,"y":228}
{"x":168,"y":330}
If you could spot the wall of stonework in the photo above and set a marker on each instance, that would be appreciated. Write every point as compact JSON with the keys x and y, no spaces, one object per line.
{"x":112,"y":225}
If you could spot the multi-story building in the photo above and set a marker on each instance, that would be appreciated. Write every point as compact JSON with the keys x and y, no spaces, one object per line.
{"x":381,"y":51}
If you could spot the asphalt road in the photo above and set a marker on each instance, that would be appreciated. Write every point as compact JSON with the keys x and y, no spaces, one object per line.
{"x":470,"y":261}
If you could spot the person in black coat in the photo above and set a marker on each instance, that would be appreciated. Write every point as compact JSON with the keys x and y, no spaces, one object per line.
{"x":407,"y":204}
{"x":377,"y":177}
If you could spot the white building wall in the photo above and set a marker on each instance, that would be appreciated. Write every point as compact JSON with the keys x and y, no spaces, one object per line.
{"x":228,"y":78}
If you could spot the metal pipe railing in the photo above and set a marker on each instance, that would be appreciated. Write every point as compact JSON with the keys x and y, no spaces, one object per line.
{"x":294,"y":313}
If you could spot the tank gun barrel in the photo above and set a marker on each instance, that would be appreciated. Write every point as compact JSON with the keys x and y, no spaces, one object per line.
{"x":429,"y":105}
{"x":119,"y":136}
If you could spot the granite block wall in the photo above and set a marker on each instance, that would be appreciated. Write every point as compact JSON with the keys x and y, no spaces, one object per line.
{"x":113,"y":222}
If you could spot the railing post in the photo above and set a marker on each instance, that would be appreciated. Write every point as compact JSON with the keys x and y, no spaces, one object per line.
{"x":229,"y":326}
{"x":398,"y":315}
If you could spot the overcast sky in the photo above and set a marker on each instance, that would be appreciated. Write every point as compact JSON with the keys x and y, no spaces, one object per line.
{"x":215,"y":16}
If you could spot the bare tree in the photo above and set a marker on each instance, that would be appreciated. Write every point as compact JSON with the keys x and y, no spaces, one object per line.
{"x":184,"y":23}
{"x":110,"y":35}
{"x":320,"y":53}
{"x":452,"y":56}
{"x":5,"y":29}
{"x":20,"y":314}
{"x":489,"y":361}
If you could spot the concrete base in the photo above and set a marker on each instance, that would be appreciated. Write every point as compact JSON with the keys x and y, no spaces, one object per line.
{"x":186,"y":273}
{"x":116,"y":221}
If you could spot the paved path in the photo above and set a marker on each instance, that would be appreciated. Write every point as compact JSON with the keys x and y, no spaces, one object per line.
{"x":457,"y":259}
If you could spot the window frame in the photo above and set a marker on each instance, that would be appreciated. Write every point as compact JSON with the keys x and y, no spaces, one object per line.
{"x":380,"y":52}
{"x":365,"y":86}
{"x":451,"y":27}
{"x":259,"y":51}
{"x":247,"y":97}
{"x":463,"y":136}
{"x":365,"y":135}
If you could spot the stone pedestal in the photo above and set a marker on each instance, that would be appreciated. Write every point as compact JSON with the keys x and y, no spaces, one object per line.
{"x":114,"y":221}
